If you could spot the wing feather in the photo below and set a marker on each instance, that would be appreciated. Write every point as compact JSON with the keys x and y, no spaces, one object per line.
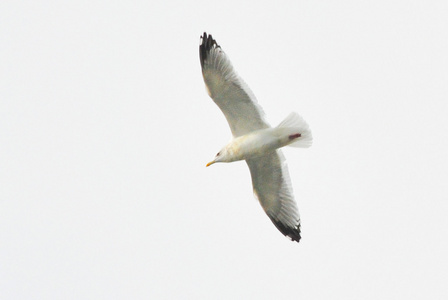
{"x":272,"y":187}
{"x":228,"y":90}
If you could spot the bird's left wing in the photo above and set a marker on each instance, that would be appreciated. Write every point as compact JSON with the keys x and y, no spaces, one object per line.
{"x":228,"y":90}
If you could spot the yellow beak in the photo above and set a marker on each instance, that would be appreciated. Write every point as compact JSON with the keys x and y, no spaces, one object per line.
{"x":210,"y":163}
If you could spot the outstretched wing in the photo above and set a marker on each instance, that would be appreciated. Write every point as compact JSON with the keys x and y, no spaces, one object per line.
{"x":228,"y":90}
{"x":272,"y":187}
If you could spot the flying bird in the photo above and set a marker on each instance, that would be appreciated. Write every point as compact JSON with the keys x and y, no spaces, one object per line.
{"x":254,"y":140}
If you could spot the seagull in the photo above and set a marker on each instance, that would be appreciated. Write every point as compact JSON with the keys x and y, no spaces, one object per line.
{"x":254,"y":140}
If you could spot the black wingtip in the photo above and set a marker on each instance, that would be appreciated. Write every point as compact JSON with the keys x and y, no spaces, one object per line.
{"x":292,"y":233}
{"x":207,"y":43}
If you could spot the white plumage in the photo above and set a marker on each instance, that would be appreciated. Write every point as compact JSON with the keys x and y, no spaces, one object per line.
{"x":254,"y":140}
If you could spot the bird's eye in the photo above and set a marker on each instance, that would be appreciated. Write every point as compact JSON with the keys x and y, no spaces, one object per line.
{"x":217,"y":154}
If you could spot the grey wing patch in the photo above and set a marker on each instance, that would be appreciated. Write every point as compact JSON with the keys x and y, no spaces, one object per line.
{"x":228,"y":90}
{"x":272,"y":187}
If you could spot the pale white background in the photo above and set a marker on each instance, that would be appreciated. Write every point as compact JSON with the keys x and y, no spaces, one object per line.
{"x":105,"y":129}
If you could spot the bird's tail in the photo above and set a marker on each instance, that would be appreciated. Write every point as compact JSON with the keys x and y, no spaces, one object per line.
{"x":298,"y":130}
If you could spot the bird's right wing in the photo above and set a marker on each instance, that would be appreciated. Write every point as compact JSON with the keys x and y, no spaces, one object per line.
{"x":228,"y":90}
{"x":272,"y":187}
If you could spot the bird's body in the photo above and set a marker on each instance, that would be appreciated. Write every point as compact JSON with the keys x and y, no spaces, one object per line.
{"x":255,"y":144}
{"x":261,"y":142}
{"x":254,"y":140}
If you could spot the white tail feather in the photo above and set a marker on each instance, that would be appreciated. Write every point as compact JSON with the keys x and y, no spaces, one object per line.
{"x":298,"y":125}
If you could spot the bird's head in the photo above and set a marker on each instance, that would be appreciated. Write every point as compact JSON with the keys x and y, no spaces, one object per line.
{"x":221,"y":156}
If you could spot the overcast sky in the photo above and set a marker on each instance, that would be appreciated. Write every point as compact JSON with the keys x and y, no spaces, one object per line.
{"x":105,"y":130}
